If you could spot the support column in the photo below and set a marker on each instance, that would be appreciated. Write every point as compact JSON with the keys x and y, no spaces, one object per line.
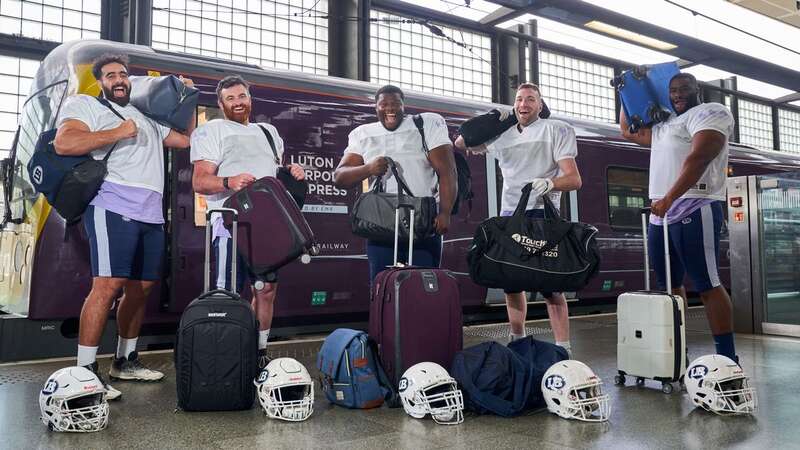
{"x":129,"y":22}
{"x":343,"y":37}
{"x":508,"y":68}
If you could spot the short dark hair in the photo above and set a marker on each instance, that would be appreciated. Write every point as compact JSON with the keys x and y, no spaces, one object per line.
{"x":107,"y":58}
{"x":530,"y":86}
{"x":230,"y":81}
{"x":390,"y":89}
{"x":686,"y":76}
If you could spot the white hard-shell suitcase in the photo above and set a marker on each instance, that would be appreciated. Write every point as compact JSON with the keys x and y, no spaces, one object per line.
{"x":651,"y":338}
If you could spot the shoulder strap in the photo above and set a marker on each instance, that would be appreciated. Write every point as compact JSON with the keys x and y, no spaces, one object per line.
{"x":103,"y":101}
{"x":420,"y":126}
{"x":271,"y":143}
{"x":392,"y":398}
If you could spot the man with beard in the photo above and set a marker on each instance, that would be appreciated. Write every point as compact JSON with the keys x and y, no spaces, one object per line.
{"x":427,"y":174}
{"x":540,"y":152}
{"x":688,"y":170}
{"x":125,"y":220}
{"x":228,"y":155}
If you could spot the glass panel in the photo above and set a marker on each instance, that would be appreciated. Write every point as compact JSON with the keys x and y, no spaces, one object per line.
{"x":575,"y":87}
{"x":627,"y":195}
{"x":779,"y":205}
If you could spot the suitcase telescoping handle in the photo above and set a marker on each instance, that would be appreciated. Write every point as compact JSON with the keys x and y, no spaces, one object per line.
{"x":410,"y":231}
{"x":207,"y":263}
{"x":647,"y":256}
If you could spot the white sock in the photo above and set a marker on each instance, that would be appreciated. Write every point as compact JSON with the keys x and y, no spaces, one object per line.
{"x":566,"y":346}
{"x":263,"y":337}
{"x":86,"y":355}
{"x":125,"y":346}
{"x":514,"y":337}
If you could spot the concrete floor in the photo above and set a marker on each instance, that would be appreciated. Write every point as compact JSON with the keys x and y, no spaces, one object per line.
{"x":641,"y":417}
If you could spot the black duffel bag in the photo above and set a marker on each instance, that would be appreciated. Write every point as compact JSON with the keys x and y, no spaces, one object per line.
{"x":520,"y":253}
{"x":485,"y":127}
{"x":374,"y":212}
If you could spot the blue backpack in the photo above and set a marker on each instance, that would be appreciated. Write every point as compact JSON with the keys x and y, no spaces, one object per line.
{"x":351,"y":372}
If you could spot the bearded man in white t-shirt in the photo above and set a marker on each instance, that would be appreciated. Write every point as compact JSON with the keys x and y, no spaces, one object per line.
{"x":540,"y":152}
{"x":125,"y":221}
{"x":688,"y":171}
{"x":228,"y":155}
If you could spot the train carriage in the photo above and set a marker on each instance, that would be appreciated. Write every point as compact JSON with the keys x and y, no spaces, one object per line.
{"x":44,"y":264}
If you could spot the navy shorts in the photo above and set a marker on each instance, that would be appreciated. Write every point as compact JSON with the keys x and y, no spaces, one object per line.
{"x":222,"y":264}
{"x":534,"y":214}
{"x":121,"y":247}
{"x":427,"y":253}
{"x":693,"y":248}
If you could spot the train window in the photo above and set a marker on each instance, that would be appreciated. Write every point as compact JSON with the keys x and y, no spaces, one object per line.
{"x":36,"y":117}
{"x":627,"y":194}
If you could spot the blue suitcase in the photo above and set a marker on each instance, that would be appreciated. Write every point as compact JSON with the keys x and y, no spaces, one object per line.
{"x":644,"y":91}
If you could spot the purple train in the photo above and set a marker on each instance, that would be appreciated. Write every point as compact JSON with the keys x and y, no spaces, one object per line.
{"x":44,"y":264}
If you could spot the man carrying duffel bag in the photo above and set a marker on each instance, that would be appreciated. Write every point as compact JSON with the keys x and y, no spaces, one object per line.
{"x":540,"y":152}
{"x":229,"y":155}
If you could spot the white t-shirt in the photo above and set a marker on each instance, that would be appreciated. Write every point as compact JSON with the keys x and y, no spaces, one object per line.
{"x":404,"y":146}
{"x":235,"y":148}
{"x":672,"y":142}
{"x":136,"y":161}
{"x":532,"y":153}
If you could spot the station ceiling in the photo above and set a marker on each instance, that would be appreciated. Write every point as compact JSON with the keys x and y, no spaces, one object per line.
{"x":787,"y":11}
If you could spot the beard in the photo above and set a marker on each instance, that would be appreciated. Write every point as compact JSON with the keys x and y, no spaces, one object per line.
{"x":691,"y":102}
{"x":241,"y":117}
{"x":108,"y":93}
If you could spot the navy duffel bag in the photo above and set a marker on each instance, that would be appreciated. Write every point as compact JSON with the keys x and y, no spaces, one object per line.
{"x":165,"y":99}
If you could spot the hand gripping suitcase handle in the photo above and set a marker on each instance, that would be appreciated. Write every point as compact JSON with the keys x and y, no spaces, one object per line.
{"x":647,"y":256}
{"x":207,"y":262}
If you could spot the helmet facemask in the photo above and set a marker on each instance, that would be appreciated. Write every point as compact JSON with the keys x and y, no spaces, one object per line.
{"x":730,"y":396}
{"x":443,"y":401}
{"x":588,"y":403}
{"x":80,"y":414}
{"x":292,"y":402}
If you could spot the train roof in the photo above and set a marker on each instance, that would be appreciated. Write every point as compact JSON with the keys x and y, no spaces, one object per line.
{"x":62,"y":63}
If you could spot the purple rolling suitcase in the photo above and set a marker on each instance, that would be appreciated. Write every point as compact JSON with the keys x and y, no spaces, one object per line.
{"x":414,"y":314}
{"x":272,"y":229}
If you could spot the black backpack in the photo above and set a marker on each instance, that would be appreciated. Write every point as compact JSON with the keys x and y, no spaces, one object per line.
{"x":216,"y":346}
{"x":463,"y":172}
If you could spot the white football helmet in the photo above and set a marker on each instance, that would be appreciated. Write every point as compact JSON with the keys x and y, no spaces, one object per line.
{"x":426,"y":388}
{"x":716,"y":383}
{"x":573,"y":391}
{"x":285,"y":390}
{"x":74,"y":399}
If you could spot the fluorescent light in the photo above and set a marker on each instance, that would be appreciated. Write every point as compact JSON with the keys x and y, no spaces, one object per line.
{"x":629,"y":35}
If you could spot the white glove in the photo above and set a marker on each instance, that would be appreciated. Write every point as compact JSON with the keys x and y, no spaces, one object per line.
{"x":541,"y":186}
{"x":504,"y":114}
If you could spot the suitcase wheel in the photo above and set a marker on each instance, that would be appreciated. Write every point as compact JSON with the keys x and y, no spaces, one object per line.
{"x":640,"y":381}
{"x":636,"y":123}
{"x":640,"y":72}
{"x":667,"y":388}
{"x":617,"y":82}
{"x":619,"y":380}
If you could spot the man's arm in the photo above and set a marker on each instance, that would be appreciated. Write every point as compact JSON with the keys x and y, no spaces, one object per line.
{"x":643,"y":136}
{"x":205,"y":180}
{"x":74,"y":137}
{"x":178,"y":140}
{"x":478,"y":149}
{"x":444,"y":163}
{"x":352,"y":170}
{"x":570,"y":178}
{"x":706,"y":145}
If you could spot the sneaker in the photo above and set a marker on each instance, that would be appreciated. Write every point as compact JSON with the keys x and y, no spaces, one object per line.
{"x":263,"y":359}
{"x":131,"y":368}
{"x":111,"y":393}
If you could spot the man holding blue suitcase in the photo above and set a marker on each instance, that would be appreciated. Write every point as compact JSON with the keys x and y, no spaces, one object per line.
{"x":688,"y":170}
{"x":541,"y":152}
{"x":228,"y":155}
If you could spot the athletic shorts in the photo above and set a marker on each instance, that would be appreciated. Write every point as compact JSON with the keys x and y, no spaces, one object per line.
{"x":693,"y":248}
{"x":222,"y":250}
{"x":121,"y":247}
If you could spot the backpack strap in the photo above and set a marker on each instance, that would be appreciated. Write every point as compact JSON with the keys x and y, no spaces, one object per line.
{"x":271,"y":143}
{"x":103,"y":101}
{"x":392,"y":398}
{"x":421,"y":128}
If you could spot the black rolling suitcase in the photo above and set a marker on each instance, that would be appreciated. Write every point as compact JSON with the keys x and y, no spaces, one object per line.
{"x":216,"y":345}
